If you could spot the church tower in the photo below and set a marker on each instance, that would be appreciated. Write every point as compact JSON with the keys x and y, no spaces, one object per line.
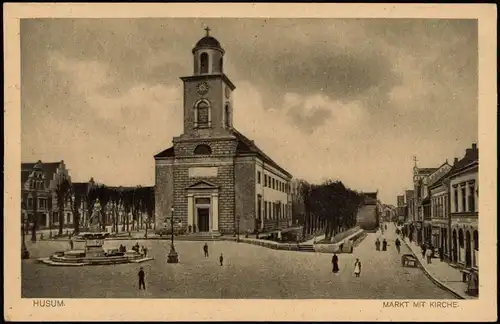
{"x":208,"y":108}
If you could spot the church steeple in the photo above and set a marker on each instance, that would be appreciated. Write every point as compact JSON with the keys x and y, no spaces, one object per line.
{"x":208,"y":55}
{"x":208,"y":108}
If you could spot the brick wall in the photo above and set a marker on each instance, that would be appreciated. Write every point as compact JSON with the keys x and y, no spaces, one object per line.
{"x":245,"y":195}
{"x":163,"y":192}
{"x":219,"y":147}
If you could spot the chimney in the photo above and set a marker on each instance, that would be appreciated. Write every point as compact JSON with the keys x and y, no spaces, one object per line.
{"x":474,"y":146}
{"x":455,"y":161}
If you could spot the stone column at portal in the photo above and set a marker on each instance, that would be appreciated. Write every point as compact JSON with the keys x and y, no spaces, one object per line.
{"x":215,"y":212}
{"x":190,"y":210}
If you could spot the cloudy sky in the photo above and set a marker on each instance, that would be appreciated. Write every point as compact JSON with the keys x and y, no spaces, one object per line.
{"x":353,"y":100}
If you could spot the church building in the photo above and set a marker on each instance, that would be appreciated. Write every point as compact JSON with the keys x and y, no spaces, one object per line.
{"x":213,"y":178}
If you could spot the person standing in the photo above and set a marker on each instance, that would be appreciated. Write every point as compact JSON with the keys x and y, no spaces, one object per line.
{"x":357,"y":268}
{"x":221,"y":259}
{"x":424,"y":248}
{"x":398,"y":245}
{"x":71,"y":244}
{"x":145,"y":250}
{"x":428,"y":255}
{"x":377,"y":244}
{"x":384,"y":245}
{"x":141,"y":275}
{"x":205,"y":250}
{"x":335,"y":263}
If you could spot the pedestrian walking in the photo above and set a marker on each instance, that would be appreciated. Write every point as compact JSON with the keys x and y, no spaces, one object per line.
{"x":145,"y":249}
{"x":385,"y":226}
{"x":335,"y":263}
{"x":428,"y":254}
{"x":384,"y":245}
{"x":377,"y":244}
{"x":221,"y":259}
{"x":141,"y":275}
{"x":71,"y":244}
{"x":398,"y":245}
{"x":357,"y":268}
{"x":205,"y":250}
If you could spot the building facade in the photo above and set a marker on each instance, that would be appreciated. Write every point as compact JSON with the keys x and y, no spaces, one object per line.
{"x":438,"y":232}
{"x":464,"y":211}
{"x":421,"y":199}
{"x":42,"y":179}
{"x":35,"y":196}
{"x":213,"y":178}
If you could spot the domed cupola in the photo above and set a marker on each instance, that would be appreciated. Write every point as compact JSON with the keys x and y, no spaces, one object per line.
{"x":208,"y":55}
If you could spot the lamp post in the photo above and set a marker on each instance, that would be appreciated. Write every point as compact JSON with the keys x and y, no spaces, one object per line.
{"x":173,"y":257}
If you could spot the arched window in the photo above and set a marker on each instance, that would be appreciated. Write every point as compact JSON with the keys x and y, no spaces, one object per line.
{"x":202,"y":114}
{"x":227,"y":115}
{"x":202,"y":149}
{"x":221,"y":65}
{"x":204,"y":63}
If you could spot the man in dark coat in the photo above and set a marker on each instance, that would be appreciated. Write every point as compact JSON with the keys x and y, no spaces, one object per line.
{"x":384,"y":245}
{"x":141,"y":275}
{"x":205,"y":250}
{"x":221,"y":259}
{"x":335,"y":263}
{"x":398,"y":245}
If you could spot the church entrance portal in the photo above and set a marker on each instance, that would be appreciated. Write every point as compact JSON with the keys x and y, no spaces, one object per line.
{"x":203,"y":219}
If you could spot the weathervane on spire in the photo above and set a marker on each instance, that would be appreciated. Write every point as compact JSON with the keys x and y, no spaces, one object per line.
{"x":208,"y":31}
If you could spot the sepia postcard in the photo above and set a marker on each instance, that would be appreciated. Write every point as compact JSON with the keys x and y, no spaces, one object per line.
{"x":260,"y":162}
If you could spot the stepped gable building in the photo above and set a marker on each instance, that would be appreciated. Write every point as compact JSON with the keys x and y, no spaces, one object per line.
{"x":213,"y":178}
{"x":39,"y":183}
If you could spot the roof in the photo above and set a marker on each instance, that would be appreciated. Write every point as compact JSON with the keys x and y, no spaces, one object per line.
{"x":166,"y":153}
{"x":49,"y":168}
{"x":370,"y":194}
{"x":24,"y":176}
{"x":244,"y":146}
{"x":81,"y":187}
{"x":208,"y":41}
{"x":471,"y":156}
{"x":426,"y":170}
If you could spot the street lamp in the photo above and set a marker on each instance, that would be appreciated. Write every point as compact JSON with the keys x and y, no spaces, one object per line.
{"x":173,"y":257}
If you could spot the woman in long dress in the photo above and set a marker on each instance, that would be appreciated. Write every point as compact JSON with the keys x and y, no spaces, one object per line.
{"x":377,"y":244}
{"x":335,"y":263}
{"x":357,"y":268}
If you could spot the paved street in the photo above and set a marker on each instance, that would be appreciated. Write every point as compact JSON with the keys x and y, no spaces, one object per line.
{"x":249,"y":272}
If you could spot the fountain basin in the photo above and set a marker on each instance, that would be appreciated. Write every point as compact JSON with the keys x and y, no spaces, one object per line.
{"x":81,"y":258}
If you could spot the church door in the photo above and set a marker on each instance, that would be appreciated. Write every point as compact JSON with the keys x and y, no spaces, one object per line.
{"x":203,"y":219}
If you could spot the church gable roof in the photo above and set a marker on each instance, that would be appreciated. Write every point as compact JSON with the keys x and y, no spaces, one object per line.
{"x":246,"y":146}
{"x":166,"y":153}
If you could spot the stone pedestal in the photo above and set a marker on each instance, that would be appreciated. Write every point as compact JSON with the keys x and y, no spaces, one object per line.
{"x":172,"y":257}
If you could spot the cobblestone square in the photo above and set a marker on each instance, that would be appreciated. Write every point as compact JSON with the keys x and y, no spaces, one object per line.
{"x":249,"y":271}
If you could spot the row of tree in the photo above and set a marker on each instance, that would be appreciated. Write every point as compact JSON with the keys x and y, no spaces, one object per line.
{"x":135,"y":202}
{"x":330,"y":206}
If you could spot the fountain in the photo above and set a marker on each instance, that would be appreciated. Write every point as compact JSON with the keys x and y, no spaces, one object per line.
{"x":94,"y":253}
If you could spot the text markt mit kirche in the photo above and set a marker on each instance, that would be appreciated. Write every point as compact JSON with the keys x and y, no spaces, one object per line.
{"x":419,"y":304}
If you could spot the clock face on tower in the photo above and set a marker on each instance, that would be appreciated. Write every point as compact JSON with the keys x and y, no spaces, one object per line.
{"x":202,"y":88}
{"x":228,"y":92}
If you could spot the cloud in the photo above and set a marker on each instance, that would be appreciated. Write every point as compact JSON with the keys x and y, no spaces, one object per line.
{"x":352,"y":99}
